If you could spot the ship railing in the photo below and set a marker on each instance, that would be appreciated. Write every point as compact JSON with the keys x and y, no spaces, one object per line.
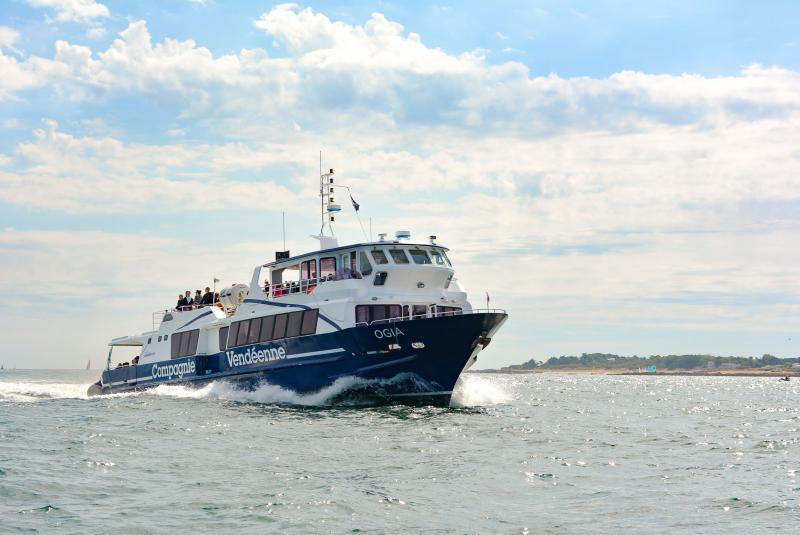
{"x":442,"y":314}
{"x":306,"y":286}
{"x":158,"y":317}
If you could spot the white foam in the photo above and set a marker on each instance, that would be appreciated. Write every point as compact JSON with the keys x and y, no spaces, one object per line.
{"x":474,"y":391}
{"x":264,"y":393}
{"x":21,"y":391}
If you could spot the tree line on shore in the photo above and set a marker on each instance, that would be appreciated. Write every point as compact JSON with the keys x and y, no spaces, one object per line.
{"x":683,"y":362}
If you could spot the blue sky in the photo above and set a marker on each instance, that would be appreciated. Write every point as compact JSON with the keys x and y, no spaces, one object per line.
{"x":620,"y":176}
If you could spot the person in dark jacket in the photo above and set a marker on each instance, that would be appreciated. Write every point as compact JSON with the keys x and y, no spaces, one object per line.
{"x":181,"y":302}
{"x":208,"y":297}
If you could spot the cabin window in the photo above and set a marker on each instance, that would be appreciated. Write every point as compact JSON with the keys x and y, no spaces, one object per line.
{"x":293,"y":324}
{"x":366,"y":267}
{"x":399,"y":256}
{"x":447,"y":259}
{"x":159,"y":339}
{"x":362,"y":314}
{"x":309,"y":321}
{"x":234,"y":332}
{"x":327,"y":267}
{"x":447,"y":311}
{"x":437,"y":258}
{"x":372,"y":313}
{"x":244,"y":330}
{"x":448,"y":281}
{"x":194,"y":337}
{"x":308,"y":269}
{"x":165,"y":337}
{"x":353,"y":266}
{"x":380,"y":278}
{"x":267,"y":325}
{"x":280,"y":327}
{"x":185,"y":343}
{"x":420,"y":257}
{"x":379,"y":257}
{"x":255,"y":331}
{"x":405,"y":311}
{"x":223,"y":338}
{"x":419,"y":311}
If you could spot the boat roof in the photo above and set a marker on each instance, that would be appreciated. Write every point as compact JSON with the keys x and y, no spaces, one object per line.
{"x":294,"y":259}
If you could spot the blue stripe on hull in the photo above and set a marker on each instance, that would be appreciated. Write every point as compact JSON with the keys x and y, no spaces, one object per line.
{"x":309,"y":363}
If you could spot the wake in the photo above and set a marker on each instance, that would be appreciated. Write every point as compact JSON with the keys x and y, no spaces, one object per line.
{"x":470,"y":391}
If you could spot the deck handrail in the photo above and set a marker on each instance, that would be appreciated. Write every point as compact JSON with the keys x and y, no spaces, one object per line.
{"x":306,"y":286}
{"x":396,"y":319}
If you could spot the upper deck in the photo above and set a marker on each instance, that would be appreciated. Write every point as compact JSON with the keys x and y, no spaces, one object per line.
{"x":395,"y":264}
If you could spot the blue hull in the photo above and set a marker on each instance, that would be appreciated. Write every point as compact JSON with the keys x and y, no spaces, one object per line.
{"x":414,"y":360}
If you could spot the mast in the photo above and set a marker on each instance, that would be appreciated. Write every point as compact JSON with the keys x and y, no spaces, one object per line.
{"x":327,"y":205}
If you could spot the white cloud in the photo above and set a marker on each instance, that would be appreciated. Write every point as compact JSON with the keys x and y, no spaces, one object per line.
{"x":73,"y":10}
{"x":97,"y":32}
{"x":8,"y":37}
{"x":377,"y":72}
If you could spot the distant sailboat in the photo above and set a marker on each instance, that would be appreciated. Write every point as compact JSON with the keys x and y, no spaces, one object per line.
{"x":89,"y":364}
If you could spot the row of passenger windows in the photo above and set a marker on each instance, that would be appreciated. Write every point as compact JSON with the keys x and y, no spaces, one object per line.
{"x":370,"y":313}
{"x":256,"y":330}
{"x":185,"y":343}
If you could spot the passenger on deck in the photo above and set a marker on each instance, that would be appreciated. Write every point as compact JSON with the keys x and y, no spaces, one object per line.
{"x":208,"y":297}
{"x":189,"y":300}
{"x":136,"y":360}
{"x":198,"y":299}
{"x":181,"y":302}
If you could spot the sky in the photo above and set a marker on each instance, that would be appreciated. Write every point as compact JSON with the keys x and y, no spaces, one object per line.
{"x":619,"y":176}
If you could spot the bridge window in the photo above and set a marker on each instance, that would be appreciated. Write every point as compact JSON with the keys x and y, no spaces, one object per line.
{"x":366,"y":267}
{"x":185,"y":343}
{"x":399,"y":256}
{"x":293,"y":323}
{"x":420,"y":257}
{"x":380,"y":278}
{"x":309,"y":321}
{"x":379,"y":256}
{"x":437,"y":258}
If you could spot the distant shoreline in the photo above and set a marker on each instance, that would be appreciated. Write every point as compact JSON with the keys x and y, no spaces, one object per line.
{"x":625,"y":371}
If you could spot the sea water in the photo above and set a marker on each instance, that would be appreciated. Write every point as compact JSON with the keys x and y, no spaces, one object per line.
{"x":514,"y":454}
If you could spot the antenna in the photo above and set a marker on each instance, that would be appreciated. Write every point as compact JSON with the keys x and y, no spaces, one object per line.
{"x":283,"y":223}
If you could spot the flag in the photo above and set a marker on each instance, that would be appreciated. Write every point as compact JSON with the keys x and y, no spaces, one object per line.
{"x":356,"y":206}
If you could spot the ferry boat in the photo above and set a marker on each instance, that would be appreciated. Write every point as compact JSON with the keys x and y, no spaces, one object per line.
{"x":390,"y":312}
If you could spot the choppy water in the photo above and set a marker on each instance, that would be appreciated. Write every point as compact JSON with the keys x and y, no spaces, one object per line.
{"x":536,"y":453}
